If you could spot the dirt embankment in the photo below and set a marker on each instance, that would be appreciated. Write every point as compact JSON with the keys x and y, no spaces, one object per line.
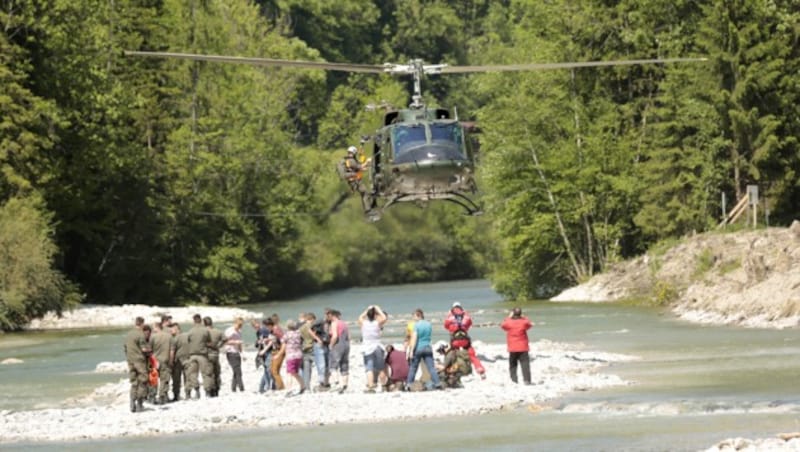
{"x":748,"y":278}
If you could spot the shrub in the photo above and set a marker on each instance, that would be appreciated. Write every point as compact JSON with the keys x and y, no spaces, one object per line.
{"x":664,"y":293}
{"x":29,"y":285}
{"x":703,"y":263}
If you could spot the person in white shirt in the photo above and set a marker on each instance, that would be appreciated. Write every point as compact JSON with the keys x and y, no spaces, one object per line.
{"x":371,"y":322}
{"x":233,"y":351}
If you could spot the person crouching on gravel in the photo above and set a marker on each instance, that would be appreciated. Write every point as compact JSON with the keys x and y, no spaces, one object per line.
{"x":454,"y":365}
{"x":397,"y":367}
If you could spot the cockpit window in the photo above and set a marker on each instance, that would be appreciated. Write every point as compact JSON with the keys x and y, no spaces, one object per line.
{"x":449,"y":133}
{"x":408,"y":137}
{"x":425,"y":143}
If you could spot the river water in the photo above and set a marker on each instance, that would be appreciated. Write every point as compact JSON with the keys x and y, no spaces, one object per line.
{"x":692,"y":386}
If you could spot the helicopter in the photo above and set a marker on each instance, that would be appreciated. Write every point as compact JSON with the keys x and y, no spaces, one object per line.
{"x":420,"y":153}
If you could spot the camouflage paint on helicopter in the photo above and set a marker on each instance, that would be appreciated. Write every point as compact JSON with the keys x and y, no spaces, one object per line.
{"x":422,"y":155}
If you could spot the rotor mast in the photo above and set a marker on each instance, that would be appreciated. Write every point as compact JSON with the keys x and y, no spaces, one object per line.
{"x":416,"y":68}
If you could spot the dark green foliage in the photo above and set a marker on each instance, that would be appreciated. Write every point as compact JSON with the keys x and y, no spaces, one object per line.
{"x":586,"y":167}
{"x":29,"y":285}
{"x":171,"y":181}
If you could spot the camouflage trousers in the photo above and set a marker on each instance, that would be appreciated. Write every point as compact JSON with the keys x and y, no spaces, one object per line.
{"x":216,"y":371}
{"x":177,"y":377}
{"x":137,"y":374}
{"x":199,"y":364}
{"x":164,"y":377}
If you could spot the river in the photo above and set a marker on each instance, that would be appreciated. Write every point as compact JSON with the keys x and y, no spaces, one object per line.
{"x":692,"y":386}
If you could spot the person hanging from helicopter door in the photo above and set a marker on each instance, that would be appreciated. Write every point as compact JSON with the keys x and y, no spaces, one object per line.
{"x":351,"y":169}
{"x":353,"y":166}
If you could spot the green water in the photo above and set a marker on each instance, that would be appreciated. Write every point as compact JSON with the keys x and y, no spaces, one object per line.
{"x":693,"y":386}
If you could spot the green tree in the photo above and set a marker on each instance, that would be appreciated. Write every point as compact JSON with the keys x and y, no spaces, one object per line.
{"x":684,"y":164}
{"x":563,"y":170}
{"x":754,"y":55}
{"x":29,"y":285}
{"x":104,"y":160}
{"x":233,"y":193}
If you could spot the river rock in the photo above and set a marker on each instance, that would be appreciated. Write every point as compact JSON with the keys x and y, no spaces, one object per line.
{"x":105,"y":412}
{"x":107,"y":367}
{"x":93,"y":317}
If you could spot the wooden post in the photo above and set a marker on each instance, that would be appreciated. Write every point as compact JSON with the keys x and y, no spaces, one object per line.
{"x":752,"y":197}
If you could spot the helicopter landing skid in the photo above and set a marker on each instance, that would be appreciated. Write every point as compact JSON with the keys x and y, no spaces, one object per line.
{"x":469,"y":205}
{"x":472,"y":209}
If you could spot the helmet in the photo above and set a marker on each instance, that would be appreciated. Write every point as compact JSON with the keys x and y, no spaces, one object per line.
{"x":352,"y":150}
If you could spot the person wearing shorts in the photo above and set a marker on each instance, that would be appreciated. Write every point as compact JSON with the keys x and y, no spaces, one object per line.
{"x":292,"y":343}
{"x":339,"y":351}
{"x":371,"y":322}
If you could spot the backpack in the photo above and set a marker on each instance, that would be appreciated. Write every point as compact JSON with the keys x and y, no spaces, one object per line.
{"x":460,"y":339}
{"x":463,"y":362}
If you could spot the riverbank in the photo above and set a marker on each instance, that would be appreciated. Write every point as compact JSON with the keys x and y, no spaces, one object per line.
{"x":557,"y":368}
{"x":745,"y":278}
{"x":95,"y":317}
{"x":783,"y":441}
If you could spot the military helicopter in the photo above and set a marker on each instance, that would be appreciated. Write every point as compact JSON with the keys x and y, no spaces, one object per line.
{"x":420,"y":153}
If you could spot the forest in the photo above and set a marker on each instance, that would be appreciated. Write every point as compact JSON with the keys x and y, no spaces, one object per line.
{"x":158,"y":181}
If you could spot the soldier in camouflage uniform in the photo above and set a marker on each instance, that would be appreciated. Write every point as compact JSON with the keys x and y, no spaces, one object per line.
{"x":162,"y":348}
{"x":136,"y":348}
{"x":199,"y":338}
{"x":217,"y":340}
{"x":180,"y":358}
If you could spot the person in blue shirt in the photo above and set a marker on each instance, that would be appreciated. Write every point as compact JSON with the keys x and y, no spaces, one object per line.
{"x":419,"y":349}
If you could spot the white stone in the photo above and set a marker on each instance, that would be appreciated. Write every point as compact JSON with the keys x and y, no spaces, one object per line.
{"x":557,"y":369}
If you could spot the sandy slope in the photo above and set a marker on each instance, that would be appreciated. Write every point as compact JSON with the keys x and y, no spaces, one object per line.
{"x":747,"y":278}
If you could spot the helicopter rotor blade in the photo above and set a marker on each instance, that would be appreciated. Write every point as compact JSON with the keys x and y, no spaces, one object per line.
{"x":343,"y":67}
{"x":404,"y":68}
{"x":549,"y":66}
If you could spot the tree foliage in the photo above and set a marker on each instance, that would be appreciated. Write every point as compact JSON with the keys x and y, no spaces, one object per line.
{"x":29,"y":285}
{"x":603,"y":162}
{"x":167,"y":181}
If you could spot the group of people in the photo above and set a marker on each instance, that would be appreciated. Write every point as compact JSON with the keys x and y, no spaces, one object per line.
{"x":162,"y":358}
{"x":309,"y":345}
{"x":323,"y":346}
{"x":306,"y":344}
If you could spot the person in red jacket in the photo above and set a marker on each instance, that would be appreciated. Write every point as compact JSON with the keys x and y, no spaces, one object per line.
{"x":458,"y":322}
{"x":516,"y":327}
